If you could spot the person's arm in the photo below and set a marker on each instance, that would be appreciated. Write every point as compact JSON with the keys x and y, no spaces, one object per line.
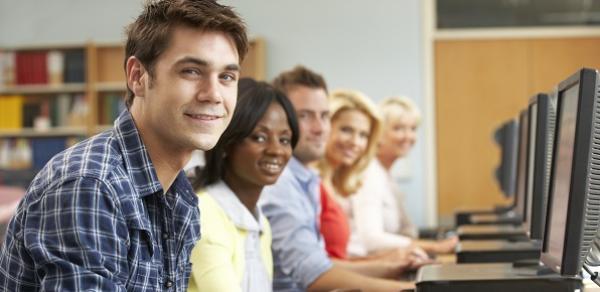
{"x":447,"y":245}
{"x":297,"y":249}
{"x":406,"y":225}
{"x":367,"y":209}
{"x":77,"y":238}
{"x":340,"y":278}
{"x":212,"y":264}
{"x":296,"y":246}
{"x":376,"y":268}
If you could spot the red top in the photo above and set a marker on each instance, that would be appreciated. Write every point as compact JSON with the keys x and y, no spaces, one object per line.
{"x":334,"y":226}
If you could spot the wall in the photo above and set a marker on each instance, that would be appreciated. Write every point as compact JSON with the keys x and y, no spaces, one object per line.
{"x":473,"y":99}
{"x":25,"y":22}
{"x":375,"y":47}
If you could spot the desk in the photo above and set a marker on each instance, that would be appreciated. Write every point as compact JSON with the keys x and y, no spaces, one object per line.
{"x":446,"y":258}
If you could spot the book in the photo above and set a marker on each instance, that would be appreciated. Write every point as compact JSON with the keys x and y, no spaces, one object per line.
{"x":78,"y":112}
{"x":31,"y":67}
{"x":7,"y":68}
{"x":74,"y":66}
{"x":56,"y":64}
{"x":11,"y":112}
{"x":60,"y":110}
{"x":31,"y":110}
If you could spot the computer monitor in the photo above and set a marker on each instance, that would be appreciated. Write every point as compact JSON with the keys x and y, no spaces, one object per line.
{"x":575,"y":178}
{"x":520,"y":197}
{"x":507,"y":137}
{"x":542,"y":116}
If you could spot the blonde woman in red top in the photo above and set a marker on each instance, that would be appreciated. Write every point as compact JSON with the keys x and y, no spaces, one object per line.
{"x":378,"y":206}
{"x":355,"y":128}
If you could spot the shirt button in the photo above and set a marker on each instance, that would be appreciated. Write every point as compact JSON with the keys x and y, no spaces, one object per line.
{"x":169,"y":284}
{"x":165,"y":235}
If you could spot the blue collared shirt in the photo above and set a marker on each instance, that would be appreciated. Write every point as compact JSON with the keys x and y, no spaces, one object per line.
{"x":292,"y":206}
{"x":96,"y":218}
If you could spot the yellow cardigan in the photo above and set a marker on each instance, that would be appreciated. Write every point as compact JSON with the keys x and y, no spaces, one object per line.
{"x":218,"y":257}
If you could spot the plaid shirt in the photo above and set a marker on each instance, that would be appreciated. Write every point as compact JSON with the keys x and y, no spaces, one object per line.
{"x":95,"y":219}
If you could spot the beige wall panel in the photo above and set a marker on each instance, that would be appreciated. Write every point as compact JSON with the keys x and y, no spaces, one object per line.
{"x":479,"y":84}
{"x":552,"y":60}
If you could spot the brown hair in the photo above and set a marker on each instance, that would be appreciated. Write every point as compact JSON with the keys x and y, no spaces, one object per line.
{"x":149,"y":35}
{"x":299,"y":75}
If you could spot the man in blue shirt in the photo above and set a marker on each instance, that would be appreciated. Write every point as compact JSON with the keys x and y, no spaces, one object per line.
{"x":292,"y":204}
{"x":115,"y":212}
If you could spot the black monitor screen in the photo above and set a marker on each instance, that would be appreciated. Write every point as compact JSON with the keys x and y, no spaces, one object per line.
{"x":508,"y":168}
{"x":530,"y":163}
{"x":562,"y":173}
{"x":522,"y":165}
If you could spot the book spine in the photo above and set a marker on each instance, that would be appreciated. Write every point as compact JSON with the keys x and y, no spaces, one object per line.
{"x":55,"y":67}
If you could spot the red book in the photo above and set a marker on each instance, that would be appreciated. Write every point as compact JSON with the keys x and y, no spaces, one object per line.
{"x":20,"y":68}
{"x":40,"y":68}
{"x":31,"y":67}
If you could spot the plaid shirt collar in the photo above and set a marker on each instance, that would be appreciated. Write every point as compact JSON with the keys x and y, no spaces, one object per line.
{"x":135,"y":157}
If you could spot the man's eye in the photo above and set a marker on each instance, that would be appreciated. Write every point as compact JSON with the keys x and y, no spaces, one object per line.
{"x":229,"y":77}
{"x":191,"y":72}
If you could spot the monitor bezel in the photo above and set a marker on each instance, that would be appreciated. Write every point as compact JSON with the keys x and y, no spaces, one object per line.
{"x":508,"y":160}
{"x":570,"y":262}
{"x":520,"y":210}
{"x":539,"y":193}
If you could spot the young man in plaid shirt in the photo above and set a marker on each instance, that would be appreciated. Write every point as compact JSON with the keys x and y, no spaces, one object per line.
{"x":115,"y":212}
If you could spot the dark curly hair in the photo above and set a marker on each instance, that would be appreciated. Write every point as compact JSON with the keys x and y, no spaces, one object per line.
{"x":253,"y":101}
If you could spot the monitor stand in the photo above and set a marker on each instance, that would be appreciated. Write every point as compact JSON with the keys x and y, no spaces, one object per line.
{"x":464,"y":217}
{"x":497,"y":251}
{"x":488,"y":219}
{"x":493,"y":278}
{"x":491,"y":232}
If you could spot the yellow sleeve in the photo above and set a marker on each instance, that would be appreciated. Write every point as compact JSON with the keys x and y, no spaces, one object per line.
{"x":212,"y":258}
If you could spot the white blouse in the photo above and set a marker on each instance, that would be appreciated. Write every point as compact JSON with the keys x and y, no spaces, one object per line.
{"x":377,"y":220}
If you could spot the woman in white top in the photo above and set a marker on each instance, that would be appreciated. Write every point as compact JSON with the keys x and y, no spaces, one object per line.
{"x":381,"y":222}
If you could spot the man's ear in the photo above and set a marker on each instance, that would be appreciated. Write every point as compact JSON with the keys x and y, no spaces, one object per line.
{"x":137,"y":76}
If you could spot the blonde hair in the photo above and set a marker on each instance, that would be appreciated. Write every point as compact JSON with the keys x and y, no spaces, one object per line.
{"x":401,"y":101}
{"x":347,"y":179}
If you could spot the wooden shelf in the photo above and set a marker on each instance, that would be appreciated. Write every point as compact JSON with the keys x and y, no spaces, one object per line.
{"x":102,"y":128}
{"x":44,"y":47}
{"x":52,"y":132}
{"x":104,"y":78}
{"x":44,"y":89}
{"x":110,"y":86}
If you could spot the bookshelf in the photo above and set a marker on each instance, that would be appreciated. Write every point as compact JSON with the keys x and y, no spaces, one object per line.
{"x":54,"y":132}
{"x":52,"y":96}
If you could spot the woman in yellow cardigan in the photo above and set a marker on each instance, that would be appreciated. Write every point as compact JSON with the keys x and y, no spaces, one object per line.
{"x":234,"y":253}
